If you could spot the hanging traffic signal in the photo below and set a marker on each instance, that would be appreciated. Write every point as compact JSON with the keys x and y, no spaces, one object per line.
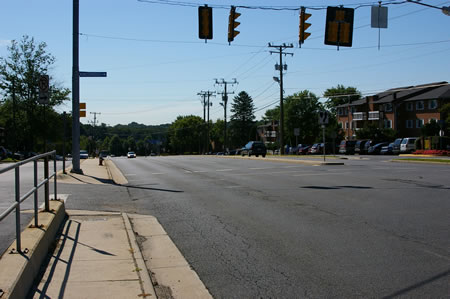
{"x":205,"y":24}
{"x":232,"y":24}
{"x":339,"y":26}
{"x":303,"y":26}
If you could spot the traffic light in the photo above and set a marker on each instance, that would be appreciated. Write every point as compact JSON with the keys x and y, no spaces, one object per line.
{"x":205,"y":24}
{"x":82,"y":109}
{"x":303,"y":26}
{"x":339,"y":26}
{"x":232,"y":24}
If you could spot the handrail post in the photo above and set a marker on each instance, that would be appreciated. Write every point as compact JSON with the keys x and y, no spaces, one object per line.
{"x":46,"y":187}
{"x":55,"y":197}
{"x":17,"y":179}
{"x":36,"y":202}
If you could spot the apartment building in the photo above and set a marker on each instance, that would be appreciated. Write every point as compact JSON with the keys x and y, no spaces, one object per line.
{"x":404,"y":109}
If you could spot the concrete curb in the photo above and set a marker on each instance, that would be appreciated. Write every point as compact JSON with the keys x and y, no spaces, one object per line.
{"x":146,"y":282}
{"x":114,"y":172}
{"x":19,"y":270}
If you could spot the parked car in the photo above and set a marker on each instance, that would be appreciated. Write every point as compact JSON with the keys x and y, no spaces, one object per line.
{"x":408,"y":145}
{"x":314,"y":149}
{"x":254,"y":148}
{"x":396,"y":146}
{"x":368,"y":144}
{"x":328,"y":148}
{"x":388,"y":149}
{"x":303,"y":150}
{"x":347,"y":147}
{"x":359,"y":146}
{"x":131,"y":155}
{"x":84,"y":154}
{"x":376,"y":149}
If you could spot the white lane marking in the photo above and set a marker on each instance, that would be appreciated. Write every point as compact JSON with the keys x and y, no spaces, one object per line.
{"x":158,"y":173}
{"x":260,"y":168}
{"x":224,"y":169}
{"x":233,"y":187}
{"x":188,"y":171}
{"x":200,"y":171}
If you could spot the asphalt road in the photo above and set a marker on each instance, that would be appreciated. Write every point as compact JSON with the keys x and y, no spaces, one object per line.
{"x":260,"y":229}
{"x":370,"y":228}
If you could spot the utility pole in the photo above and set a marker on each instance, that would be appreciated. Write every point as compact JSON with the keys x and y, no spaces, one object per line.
{"x":95,"y":117}
{"x":203,"y":101}
{"x":206,"y":103}
{"x":280,"y":80}
{"x":225,"y":94}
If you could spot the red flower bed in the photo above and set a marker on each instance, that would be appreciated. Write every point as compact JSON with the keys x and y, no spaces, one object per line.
{"x":432,"y":152}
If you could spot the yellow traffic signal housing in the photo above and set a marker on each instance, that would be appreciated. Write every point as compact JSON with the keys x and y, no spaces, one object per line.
{"x":82,"y":105}
{"x":205,"y":22}
{"x":82,"y":113}
{"x":232,"y":24}
{"x":339,"y":26}
{"x":303,"y":26}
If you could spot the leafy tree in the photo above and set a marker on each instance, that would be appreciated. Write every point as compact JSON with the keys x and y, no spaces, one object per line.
{"x":216,"y":134}
{"x":140,"y":148}
{"x":340,"y":95}
{"x":242,"y":119}
{"x":115,"y":146}
{"x":372,"y":131}
{"x":301,"y":111}
{"x":19,"y":78}
{"x":445,"y":112}
{"x":186,"y":134}
{"x":430,"y":129}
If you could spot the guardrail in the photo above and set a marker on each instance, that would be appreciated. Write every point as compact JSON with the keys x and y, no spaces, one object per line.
{"x":19,"y":199}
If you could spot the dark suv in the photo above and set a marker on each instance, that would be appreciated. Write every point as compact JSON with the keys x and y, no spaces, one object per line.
{"x":254,"y":148}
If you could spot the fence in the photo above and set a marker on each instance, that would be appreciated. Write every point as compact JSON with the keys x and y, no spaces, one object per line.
{"x":34,"y":191}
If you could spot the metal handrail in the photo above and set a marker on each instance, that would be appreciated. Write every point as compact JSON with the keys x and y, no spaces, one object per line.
{"x":19,"y":199}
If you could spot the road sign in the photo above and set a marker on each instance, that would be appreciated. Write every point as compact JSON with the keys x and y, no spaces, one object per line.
{"x":92,"y":74}
{"x":297,"y":132}
{"x":43,"y":89}
{"x":323,"y":118}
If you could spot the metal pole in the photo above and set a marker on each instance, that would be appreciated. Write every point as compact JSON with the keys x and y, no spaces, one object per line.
{"x":36,"y":199}
{"x":76,"y":91}
{"x":46,"y":187}
{"x":225,"y":100}
{"x":208,"y":141}
{"x":64,"y":141}
{"x":18,"y":241}
{"x":55,"y":197}
{"x":324,"y":145}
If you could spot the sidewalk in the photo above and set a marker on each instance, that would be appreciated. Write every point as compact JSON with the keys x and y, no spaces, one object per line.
{"x":103,"y":254}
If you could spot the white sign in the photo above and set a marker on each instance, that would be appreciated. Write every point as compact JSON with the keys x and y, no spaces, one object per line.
{"x":323,"y":118}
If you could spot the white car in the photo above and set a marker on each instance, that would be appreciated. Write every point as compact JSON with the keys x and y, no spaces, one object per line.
{"x":131,"y":155}
{"x":84,"y":154}
{"x":408,"y":145}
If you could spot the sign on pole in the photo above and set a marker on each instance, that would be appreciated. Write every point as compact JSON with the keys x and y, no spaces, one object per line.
{"x":44,"y":86}
{"x":296,"y":131}
{"x":92,"y":74}
{"x":323,"y":118}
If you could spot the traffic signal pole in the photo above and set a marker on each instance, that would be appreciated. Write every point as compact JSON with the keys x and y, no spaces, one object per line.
{"x":76,"y":91}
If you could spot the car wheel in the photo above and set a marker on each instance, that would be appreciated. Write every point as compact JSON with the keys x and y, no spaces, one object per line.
{"x":257,"y":156}
{"x":263,"y":156}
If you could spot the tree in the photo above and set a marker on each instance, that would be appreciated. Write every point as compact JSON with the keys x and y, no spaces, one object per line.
{"x":301,"y":111}
{"x":186,"y":134}
{"x":19,"y":78}
{"x":216,"y":134}
{"x":115,"y":146}
{"x":372,"y":131}
{"x":340,"y":95}
{"x":445,"y":112}
{"x":242,"y":119}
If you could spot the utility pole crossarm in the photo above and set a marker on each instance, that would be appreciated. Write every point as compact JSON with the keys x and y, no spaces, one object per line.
{"x":225,"y":94}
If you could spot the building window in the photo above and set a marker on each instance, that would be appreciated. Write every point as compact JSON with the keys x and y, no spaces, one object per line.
{"x":340,"y":125}
{"x":409,"y":106}
{"x":388,"y":123}
{"x":409,"y":124}
{"x":419,"y":123}
{"x":346,"y":125}
{"x":432,"y":104}
{"x":419,"y":105}
{"x":388,"y":107}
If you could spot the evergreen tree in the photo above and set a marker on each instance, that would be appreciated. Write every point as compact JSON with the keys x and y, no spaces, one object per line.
{"x":242,"y":119}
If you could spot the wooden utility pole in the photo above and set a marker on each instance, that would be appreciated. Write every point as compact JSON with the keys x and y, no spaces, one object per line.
{"x":281,"y":67}
{"x":225,"y":94}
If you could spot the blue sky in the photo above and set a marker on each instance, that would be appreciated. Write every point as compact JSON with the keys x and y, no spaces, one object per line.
{"x":156,"y":64}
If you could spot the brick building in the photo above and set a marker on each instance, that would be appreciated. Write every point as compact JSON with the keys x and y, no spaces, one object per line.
{"x":404,"y":109}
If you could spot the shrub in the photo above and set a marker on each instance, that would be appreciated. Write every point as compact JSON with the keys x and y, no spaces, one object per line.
{"x":432,"y":152}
